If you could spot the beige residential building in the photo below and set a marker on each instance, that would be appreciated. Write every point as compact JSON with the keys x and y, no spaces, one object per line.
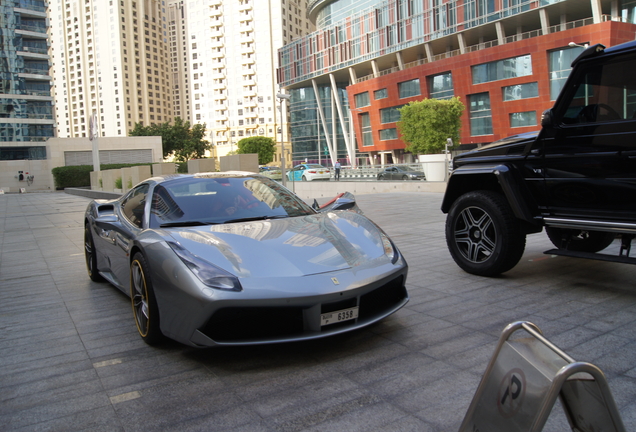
{"x":178,"y":47}
{"x":233,"y":56}
{"x":111,"y":58}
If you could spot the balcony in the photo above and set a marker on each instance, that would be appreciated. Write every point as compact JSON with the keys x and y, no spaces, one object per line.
{"x":215,"y":12}
{"x":219,"y":86}
{"x":217,"y":54}
{"x":247,"y":49}
{"x":217,"y":43}
{"x":245,"y":7}
{"x":247,"y":60}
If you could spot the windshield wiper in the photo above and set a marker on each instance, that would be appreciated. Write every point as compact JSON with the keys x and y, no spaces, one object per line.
{"x":186,"y":223}
{"x":255,"y":218}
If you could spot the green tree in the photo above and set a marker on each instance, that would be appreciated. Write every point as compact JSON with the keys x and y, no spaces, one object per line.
{"x":426,"y":125}
{"x":182,"y":141}
{"x":265,"y":147}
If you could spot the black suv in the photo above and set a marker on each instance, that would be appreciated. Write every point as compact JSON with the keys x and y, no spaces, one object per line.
{"x":576,"y":176}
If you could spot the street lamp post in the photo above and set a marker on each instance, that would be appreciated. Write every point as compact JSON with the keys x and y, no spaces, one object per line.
{"x":282,"y":97}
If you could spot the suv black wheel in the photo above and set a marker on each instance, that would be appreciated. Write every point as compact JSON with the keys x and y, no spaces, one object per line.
{"x":143,"y":300}
{"x":579,"y":240}
{"x":483,"y":235}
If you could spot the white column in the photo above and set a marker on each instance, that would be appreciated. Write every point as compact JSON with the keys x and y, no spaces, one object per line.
{"x":501,"y":34}
{"x":545,"y":21}
{"x":596,"y":11}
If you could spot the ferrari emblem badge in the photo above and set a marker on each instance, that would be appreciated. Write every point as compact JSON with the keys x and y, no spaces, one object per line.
{"x":335,"y":281}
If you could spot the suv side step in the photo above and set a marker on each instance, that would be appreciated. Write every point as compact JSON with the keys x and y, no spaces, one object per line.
{"x":591,"y":225}
{"x":589,"y":255}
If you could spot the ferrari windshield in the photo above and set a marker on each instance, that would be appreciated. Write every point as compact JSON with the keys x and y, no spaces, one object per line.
{"x":214,"y":199}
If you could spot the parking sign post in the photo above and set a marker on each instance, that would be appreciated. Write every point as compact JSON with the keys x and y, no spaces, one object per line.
{"x":523,"y":380}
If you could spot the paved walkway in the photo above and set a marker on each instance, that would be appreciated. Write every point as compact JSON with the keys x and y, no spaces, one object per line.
{"x":70,"y":358}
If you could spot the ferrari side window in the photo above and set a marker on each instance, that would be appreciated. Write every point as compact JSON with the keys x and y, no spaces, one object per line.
{"x":134,"y":204}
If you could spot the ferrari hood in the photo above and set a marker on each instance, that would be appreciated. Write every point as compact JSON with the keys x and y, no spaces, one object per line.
{"x":297,"y":246}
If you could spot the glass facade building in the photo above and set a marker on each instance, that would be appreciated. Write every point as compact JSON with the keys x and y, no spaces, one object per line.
{"x":26,"y":103}
{"x":506,"y":60}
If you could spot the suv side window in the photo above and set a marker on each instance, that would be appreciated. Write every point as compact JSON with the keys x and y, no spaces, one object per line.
{"x":605,"y":92}
{"x":133,"y":206}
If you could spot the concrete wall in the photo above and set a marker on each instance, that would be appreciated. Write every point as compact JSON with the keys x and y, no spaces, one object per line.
{"x":201,"y":165}
{"x":240,"y":162}
{"x":55,"y":149}
{"x":164,"y":168}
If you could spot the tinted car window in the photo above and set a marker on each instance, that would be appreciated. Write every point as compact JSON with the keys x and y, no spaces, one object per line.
{"x":607,"y":93}
{"x":134,"y":203}
{"x":213,"y":199}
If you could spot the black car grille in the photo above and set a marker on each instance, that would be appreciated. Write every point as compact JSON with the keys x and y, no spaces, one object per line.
{"x":383,"y":299}
{"x":236,"y":324}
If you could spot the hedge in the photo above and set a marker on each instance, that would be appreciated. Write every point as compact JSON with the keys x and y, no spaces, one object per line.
{"x":80,"y":175}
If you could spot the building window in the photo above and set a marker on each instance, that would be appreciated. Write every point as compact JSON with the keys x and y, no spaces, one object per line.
{"x":502,"y":69}
{"x":388,"y":134}
{"x":362,"y":100}
{"x":526,"y":118}
{"x":560,"y":68}
{"x":380,"y":94}
{"x":520,"y":91}
{"x":480,"y":114}
{"x":390,"y":115}
{"x":409,"y":88}
{"x":441,"y":86}
{"x":367,"y":133}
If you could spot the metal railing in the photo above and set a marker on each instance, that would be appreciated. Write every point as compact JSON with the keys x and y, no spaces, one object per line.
{"x":489,"y":44}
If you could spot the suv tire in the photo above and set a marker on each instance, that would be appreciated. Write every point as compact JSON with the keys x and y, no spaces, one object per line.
{"x":483,"y":235}
{"x":579,"y":240}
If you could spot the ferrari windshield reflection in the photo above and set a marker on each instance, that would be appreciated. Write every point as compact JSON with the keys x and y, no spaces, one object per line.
{"x":210,"y":200}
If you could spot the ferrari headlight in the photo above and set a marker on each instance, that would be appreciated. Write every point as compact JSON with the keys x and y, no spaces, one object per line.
{"x":389,"y":248}
{"x":208,"y":273}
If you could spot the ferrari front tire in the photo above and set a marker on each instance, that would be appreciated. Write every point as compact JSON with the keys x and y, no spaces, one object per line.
{"x":483,"y":235}
{"x":90,"y":255}
{"x":144,"y":303}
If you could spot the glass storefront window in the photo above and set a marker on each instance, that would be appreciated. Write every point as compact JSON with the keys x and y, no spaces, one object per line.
{"x":502,"y":69}
{"x":520,"y":91}
{"x":441,"y":86}
{"x":560,"y":68}
{"x":409,"y":88}
{"x":362,"y":99}
{"x":526,"y":118}
{"x":380,"y":94}
{"x":367,"y":132}
{"x":388,"y":134}
{"x":390,"y":115}
{"x":480,"y":114}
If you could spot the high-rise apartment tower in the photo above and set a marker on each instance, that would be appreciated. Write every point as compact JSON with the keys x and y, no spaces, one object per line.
{"x":110,"y":57}
{"x":232,"y":60}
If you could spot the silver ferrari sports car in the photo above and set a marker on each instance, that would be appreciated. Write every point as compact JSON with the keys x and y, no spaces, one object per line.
{"x":237,"y":259}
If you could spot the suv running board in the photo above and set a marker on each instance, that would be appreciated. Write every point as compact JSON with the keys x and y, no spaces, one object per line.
{"x":589,"y":255}
{"x":591,"y":225}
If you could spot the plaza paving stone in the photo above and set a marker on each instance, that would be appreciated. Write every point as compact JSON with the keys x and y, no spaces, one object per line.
{"x":71,"y":359}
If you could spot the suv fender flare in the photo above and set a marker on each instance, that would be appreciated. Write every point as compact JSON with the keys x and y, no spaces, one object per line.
{"x":491,"y":177}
